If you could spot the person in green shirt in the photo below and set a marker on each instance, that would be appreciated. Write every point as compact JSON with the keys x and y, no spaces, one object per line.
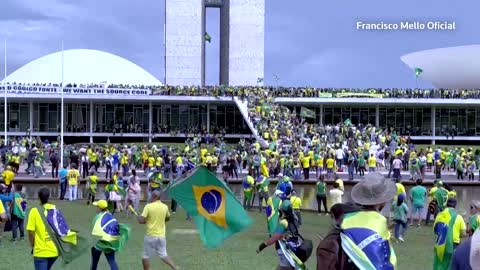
{"x":474,"y":220}
{"x":418,"y":197}
{"x":321,"y":194}
{"x":400,"y":217}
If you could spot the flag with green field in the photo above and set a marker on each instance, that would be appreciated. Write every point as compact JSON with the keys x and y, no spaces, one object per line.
{"x":418,"y":72}
{"x":266,"y":107}
{"x":208,"y":38}
{"x":307,"y":113}
{"x":347,"y":122}
{"x":215,"y":210}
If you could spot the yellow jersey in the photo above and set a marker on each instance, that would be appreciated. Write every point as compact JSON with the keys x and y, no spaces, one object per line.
{"x":372,"y":162}
{"x":296,"y":202}
{"x":179,"y":160}
{"x":330,"y":163}
{"x":8,"y":176}
{"x":155,"y":214}
{"x":73,"y":176}
{"x":158,"y":161}
{"x":306,"y":162}
{"x":151,"y":161}
{"x":43,"y":245}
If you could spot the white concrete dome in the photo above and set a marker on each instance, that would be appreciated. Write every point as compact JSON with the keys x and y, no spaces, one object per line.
{"x":82,"y":66}
{"x":453,"y":67}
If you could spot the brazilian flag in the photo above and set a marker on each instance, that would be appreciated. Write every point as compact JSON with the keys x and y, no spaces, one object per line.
{"x":443,"y":248}
{"x":347,"y":122}
{"x":307,"y":113}
{"x":113,"y":235}
{"x":215,"y":210}
{"x":69,"y":243}
{"x":418,"y":72}
{"x":19,"y":206}
{"x":266,"y":107}
{"x":273,"y":205}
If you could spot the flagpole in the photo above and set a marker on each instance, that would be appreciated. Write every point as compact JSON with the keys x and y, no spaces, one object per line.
{"x":5,"y":111}
{"x":61,"y":114}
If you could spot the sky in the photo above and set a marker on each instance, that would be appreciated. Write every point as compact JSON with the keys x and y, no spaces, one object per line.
{"x":310,"y":43}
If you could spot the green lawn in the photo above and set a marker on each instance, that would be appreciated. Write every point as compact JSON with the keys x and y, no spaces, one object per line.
{"x":187,"y":251}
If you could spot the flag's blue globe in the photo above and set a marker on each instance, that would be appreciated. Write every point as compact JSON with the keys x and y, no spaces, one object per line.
{"x":268,"y":210}
{"x":211,"y":201}
{"x":441,"y":229}
{"x":57,"y":221}
{"x":110,"y":225}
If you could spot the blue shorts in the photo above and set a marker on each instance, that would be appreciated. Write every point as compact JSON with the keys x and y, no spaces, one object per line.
{"x":417,"y":209}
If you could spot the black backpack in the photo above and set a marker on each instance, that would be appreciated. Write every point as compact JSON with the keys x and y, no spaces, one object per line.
{"x":297,"y":244}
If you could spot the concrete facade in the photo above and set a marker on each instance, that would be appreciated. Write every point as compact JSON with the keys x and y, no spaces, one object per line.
{"x":246,"y":42}
{"x":183,"y":42}
{"x":242,"y":38}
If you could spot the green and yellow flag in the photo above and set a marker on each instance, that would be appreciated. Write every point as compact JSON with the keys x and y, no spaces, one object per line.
{"x":273,"y":205}
{"x":266,"y":107}
{"x":208,"y":38}
{"x":443,"y":248}
{"x":347,"y":122}
{"x":307,"y":113}
{"x":215,"y":209}
{"x":418,"y":71}
{"x":113,"y":235}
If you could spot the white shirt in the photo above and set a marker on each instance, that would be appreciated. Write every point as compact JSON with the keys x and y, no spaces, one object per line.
{"x":397,"y":163}
{"x":335,"y":196}
{"x":340,"y":154}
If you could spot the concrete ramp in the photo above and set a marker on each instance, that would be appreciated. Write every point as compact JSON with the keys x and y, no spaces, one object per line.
{"x":243,"y":107}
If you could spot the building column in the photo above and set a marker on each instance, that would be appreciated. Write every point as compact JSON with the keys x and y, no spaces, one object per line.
{"x":150,"y":121}
{"x":433,"y":125}
{"x":377,"y":116}
{"x":321,"y":114}
{"x":30,"y":109}
{"x":208,"y":117}
{"x":91,"y":121}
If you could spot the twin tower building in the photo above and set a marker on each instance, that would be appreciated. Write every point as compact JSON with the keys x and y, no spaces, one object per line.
{"x":242,"y":39}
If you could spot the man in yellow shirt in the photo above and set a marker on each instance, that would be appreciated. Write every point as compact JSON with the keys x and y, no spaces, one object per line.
{"x":179,"y":165}
{"x":72,"y":178}
{"x":306,"y":167}
{"x":124,"y":163}
{"x":372,"y":163}
{"x":158,"y":162}
{"x":296,"y":205}
{"x":459,"y":227}
{"x":330,"y":167}
{"x":7,"y":177}
{"x":154,"y":216}
{"x":45,"y":252}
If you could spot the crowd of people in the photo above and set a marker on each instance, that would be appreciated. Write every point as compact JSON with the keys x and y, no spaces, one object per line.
{"x":302,"y":155}
{"x":279,"y":91}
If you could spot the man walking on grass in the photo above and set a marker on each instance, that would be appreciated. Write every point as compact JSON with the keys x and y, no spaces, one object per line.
{"x":154,"y":216}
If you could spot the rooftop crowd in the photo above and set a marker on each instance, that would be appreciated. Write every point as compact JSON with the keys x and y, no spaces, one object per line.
{"x":285,"y":91}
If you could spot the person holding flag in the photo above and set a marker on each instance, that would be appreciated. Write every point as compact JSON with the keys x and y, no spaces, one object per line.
{"x":248,"y":185}
{"x":50,"y":236}
{"x":285,"y":229}
{"x":449,"y":227}
{"x":19,"y":205}
{"x":113,"y":236}
{"x":155,"y":179}
{"x":261,"y":186}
